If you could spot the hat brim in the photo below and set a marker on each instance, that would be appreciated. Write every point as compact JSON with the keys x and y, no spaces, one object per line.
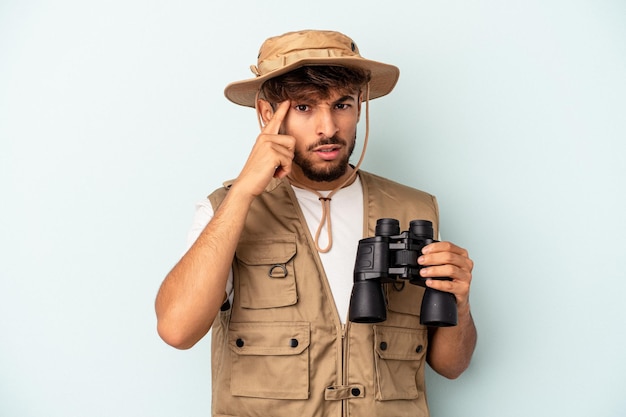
{"x":383,"y":78}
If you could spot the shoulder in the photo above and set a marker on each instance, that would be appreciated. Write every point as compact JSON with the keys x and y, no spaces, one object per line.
{"x":219,"y":194}
{"x":373,"y":182}
{"x":386,"y":198}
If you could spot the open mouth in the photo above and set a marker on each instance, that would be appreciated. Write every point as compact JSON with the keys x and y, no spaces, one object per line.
{"x":328,"y":149}
{"x":327,"y":152}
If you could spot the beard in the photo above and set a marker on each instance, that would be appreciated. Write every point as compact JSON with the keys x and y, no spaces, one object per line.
{"x":332,"y":170}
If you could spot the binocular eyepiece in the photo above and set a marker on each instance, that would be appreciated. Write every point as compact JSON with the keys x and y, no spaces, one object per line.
{"x":391,"y":256}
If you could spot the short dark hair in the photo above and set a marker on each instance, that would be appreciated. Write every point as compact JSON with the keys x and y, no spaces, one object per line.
{"x":317,"y":81}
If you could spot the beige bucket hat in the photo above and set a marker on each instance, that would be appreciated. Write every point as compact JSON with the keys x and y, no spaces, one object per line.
{"x":281,"y":54}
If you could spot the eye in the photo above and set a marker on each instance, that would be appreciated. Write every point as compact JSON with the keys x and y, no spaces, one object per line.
{"x":342,"y":106}
{"x":301,"y":107}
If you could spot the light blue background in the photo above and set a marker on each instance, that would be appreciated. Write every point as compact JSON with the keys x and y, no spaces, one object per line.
{"x":113,"y":123}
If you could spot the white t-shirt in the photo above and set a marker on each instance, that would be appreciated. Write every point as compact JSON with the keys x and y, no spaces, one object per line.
{"x":346,"y":214}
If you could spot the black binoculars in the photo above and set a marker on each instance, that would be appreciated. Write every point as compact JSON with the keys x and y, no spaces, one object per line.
{"x":391,"y":256}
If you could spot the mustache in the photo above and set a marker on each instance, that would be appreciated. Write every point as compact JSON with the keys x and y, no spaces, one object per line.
{"x":328,"y":141}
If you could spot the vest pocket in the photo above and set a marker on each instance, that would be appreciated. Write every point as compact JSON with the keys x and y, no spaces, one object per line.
{"x":266,"y":274}
{"x":270,"y":360}
{"x":398,"y":356}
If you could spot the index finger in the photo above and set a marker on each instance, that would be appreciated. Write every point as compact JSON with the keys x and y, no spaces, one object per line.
{"x":273,"y":126}
{"x":444,"y":247}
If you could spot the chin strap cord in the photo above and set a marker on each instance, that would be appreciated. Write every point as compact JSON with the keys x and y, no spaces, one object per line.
{"x":325,"y":200}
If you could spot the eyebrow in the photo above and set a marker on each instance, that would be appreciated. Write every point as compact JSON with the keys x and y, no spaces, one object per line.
{"x":344,"y":99}
{"x":340,"y":100}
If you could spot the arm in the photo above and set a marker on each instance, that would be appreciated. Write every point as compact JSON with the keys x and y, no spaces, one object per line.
{"x":451,"y":348}
{"x":193,"y":291}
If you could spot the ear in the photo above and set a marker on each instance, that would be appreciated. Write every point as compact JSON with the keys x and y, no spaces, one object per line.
{"x":265,"y":110}
{"x":359,"y":101}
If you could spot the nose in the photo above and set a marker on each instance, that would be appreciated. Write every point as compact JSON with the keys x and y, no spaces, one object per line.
{"x":326,"y":125}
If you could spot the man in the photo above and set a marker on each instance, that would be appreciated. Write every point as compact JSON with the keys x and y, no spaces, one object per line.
{"x":272,"y":275}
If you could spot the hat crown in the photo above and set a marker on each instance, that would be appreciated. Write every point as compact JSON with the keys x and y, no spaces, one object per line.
{"x":280,"y":51}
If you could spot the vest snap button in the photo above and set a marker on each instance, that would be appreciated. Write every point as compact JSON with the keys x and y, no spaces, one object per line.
{"x":293,"y":343}
{"x":383,"y":345}
{"x":355,"y":392}
{"x":419,"y":349}
{"x":239,"y":342}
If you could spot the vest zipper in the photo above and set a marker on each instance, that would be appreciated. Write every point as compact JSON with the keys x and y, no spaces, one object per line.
{"x":344,"y":354}
{"x":343,"y":328}
{"x":344,"y":363}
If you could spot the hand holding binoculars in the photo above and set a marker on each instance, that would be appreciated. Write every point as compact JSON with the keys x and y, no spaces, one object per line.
{"x":391,"y":256}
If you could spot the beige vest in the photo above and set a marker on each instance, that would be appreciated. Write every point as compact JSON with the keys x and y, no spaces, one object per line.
{"x":281,"y":349}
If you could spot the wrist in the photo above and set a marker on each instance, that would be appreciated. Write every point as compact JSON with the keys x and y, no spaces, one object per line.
{"x":238,"y":192}
{"x":464,"y":310}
